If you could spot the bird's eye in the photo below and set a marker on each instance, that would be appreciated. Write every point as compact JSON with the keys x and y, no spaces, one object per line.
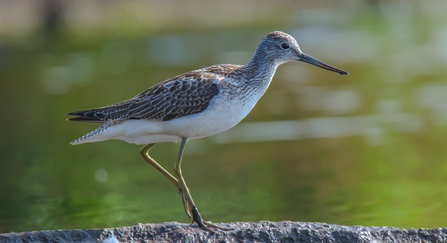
{"x":285,"y":46}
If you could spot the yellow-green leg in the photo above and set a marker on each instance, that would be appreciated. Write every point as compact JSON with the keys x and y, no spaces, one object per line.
{"x":187,"y":195}
{"x":179,"y":182}
{"x":145,"y":153}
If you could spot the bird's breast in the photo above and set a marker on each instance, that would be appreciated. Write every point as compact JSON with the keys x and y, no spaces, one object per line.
{"x":223,"y":112}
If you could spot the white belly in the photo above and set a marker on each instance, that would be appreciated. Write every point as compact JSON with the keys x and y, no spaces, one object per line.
{"x":220,"y":115}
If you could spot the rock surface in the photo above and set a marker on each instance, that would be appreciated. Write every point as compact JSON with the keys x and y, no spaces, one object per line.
{"x":264,"y":231}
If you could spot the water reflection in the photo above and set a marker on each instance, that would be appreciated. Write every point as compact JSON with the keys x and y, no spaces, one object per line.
{"x":322,"y":127}
{"x":174,"y":50}
{"x":61,"y":79}
{"x":116,"y":57}
{"x":101,"y":175}
{"x":433,"y":96}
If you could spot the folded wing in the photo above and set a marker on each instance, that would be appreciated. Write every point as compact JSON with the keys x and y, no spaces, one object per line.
{"x":181,"y":96}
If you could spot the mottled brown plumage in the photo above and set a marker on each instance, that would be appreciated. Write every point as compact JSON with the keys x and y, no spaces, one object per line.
{"x":183,"y":95}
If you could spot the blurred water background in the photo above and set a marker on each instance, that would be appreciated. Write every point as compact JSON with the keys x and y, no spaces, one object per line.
{"x":369,"y":148}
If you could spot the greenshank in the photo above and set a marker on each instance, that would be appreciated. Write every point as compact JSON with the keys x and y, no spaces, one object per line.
{"x":194,"y":105}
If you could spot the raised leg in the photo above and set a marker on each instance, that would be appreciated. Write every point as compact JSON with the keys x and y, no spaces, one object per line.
{"x":145,"y":153}
{"x":188,"y":202}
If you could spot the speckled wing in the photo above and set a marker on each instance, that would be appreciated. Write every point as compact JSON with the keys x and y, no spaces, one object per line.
{"x":181,"y":96}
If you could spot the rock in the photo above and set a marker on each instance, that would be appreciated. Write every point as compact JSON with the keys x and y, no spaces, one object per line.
{"x":264,"y":231}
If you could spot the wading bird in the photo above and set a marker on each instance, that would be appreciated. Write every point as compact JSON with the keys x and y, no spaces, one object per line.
{"x":194,"y":105}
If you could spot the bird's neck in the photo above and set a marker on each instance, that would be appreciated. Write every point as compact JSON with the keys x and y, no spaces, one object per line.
{"x":260,"y":69}
{"x":257,"y":75}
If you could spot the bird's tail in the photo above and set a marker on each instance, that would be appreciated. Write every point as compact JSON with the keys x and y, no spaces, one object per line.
{"x":96,"y":135}
{"x":85,"y":116}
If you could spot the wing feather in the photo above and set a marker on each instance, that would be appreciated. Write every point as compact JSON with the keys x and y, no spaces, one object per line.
{"x":181,"y":96}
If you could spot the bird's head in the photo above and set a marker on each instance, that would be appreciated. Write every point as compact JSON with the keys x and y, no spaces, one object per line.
{"x":279,"y":47}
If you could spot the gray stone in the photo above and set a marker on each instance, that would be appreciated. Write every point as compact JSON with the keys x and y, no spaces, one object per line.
{"x":264,"y":231}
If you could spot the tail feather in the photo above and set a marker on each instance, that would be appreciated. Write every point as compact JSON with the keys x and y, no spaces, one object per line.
{"x":85,"y":116}
{"x":99,"y":130}
{"x":84,"y":119}
{"x":113,"y":112}
{"x":83,"y":113}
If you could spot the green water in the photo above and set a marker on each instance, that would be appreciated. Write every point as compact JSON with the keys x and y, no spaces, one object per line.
{"x":369,"y":148}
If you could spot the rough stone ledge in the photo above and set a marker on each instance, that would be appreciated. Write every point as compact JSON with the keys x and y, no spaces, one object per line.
{"x":263,"y":231}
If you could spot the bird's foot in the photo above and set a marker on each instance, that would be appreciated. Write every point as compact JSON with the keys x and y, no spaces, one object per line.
{"x":203,"y":224}
{"x":191,"y":209}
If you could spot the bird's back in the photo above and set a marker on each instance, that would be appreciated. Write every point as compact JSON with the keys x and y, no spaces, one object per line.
{"x":183,"y":95}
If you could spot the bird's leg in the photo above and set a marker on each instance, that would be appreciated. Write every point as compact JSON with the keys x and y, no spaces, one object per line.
{"x":188,"y":202}
{"x":145,"y":153}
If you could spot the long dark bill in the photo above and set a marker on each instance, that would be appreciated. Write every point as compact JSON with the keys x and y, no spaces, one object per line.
{"x":306,"y":58}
